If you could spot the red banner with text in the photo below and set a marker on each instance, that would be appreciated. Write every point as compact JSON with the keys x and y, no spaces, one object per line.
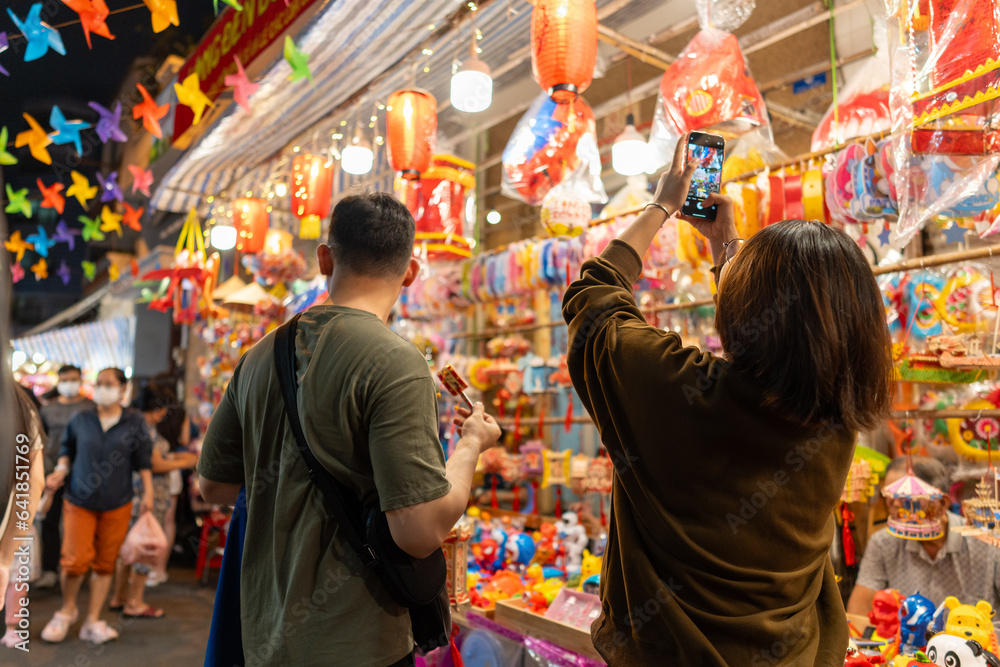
{"x":244,"y":34}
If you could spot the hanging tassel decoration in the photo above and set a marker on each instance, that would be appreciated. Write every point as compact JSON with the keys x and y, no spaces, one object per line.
{"x":494,"y":503}
{"x":534,"y":497}
{"x":569,"y":412}
{"x":559,"y":501}
{"x":456,"y":656}
{"x":850,"y":559}
{"x":604,"y":517}
{"x":517,"y":498}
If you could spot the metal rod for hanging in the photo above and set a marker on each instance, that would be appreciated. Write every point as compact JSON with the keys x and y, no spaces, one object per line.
{"x":946,"y":413}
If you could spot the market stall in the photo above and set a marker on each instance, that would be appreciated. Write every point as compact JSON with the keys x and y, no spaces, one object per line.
{"x":516,"y":175}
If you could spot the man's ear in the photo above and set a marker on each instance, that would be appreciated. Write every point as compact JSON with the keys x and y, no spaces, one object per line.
{"x":411,"y":272}
{"x":325,"y":256}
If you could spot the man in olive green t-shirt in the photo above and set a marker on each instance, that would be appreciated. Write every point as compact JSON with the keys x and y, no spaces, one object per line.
{"x":369,"y":409}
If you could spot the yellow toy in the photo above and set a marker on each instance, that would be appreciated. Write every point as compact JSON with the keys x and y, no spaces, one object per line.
{"x":970,"y":622}
{"x":590,"y":566}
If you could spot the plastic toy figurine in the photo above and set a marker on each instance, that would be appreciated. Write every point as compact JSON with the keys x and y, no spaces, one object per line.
{"x":857,"y":659}
{"x":949,"y":651}
{"x":547,"y":547}
{"x":914,"y":619}
{"x":486,"y":554}
{"x":519,"y":551}
{"x":885,"y":613}
{"x":574,"y":538}
{"x":970,"y":622}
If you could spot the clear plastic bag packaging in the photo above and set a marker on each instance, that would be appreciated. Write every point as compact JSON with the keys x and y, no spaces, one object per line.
{"x":552,"y":144}
{"x":945,"y":107}
{"x":708,"y":87}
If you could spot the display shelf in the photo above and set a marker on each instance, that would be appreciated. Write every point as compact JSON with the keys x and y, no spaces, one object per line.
{"x":945,"y":413}
{"x":532,"y":521}
{"x":500,"y":331}
{"x":512,"y":614}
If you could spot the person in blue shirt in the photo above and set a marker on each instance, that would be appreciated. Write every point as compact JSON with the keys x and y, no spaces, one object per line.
{"x":100,"y":450}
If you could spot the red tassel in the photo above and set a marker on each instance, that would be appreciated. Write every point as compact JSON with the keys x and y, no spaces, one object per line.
{"x":517,"y":498}
{"x":604,"y":517}
{"x":493,"y":494}
{"x":559,"y":501}
{"x":569,"y":278}
{"x":541,"y":419}
{"x":848,"y":516}
{"x":534,"y":488}
{"x":569,"y":413}
{"x":456,"y":656}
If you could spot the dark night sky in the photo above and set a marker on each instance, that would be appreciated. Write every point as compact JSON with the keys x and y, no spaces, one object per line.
{"x":71,"y":81}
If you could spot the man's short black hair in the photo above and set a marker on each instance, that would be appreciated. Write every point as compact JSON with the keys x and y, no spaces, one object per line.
{"x":372,"y":234}
{"x":68,"y":369}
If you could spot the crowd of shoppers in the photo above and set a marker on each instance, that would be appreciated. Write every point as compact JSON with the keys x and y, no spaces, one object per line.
{"x":101,"y":466}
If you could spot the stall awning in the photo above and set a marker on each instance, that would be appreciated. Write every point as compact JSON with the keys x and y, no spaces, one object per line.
{"x":92,"y":346}
{"x":349,"y":44}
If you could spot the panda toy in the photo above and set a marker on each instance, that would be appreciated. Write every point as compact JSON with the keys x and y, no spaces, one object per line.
{"x":950,"y":651}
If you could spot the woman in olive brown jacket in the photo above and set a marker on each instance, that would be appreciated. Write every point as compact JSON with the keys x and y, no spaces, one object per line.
{"x":728,"y":468}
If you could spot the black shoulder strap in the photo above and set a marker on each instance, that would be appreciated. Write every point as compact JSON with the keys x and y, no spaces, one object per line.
{"x":333,"y":491}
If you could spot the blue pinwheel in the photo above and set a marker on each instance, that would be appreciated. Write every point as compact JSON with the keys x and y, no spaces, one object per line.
{"x":40,"y":35}
{"x":66,"y":131}
{"x":42,"y":241}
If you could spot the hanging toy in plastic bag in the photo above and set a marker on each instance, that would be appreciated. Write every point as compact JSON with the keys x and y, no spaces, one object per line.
{"x":921,"y":293}
{"x":870,"y":200}
{"x":437,"y":201}
{"x":708,"y":86}
{"x":863,"y":105}
{"x":892,"y":300}
{"x":550,"y":143}
{"x":945,"y":108}
{"x":565,"y":212}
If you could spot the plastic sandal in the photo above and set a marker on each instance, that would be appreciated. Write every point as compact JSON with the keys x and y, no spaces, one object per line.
{"x":10,"y":639}
{"x":56,"y":629}
{"x":98,"y":632}
{"x":149,"y":612}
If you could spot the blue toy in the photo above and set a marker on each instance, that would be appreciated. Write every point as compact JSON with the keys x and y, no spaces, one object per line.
{"x":915,"y":617}
{"x":520,"y":549}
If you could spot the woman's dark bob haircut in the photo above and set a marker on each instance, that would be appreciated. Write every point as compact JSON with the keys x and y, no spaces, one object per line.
{"x":799,"y":312}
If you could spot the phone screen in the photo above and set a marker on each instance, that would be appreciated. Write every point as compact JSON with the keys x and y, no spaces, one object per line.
{"x":708,"y":152}
{"x":708,"y":175}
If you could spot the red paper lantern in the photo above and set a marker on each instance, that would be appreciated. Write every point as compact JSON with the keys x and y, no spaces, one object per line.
{"x":251,"y":221}
{"x":312,"y":186}
{"x":411,"y":121}
{"x":564,"y":46}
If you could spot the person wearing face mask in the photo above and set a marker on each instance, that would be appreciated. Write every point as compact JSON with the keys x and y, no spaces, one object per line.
{"x":55,"y":415}
{"x":98,"y":453}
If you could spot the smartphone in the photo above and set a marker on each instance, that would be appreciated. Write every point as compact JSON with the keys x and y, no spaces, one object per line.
{"x":708,"y":150}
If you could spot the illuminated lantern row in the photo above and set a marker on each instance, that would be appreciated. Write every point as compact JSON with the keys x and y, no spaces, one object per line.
{"x":251,"y":220}
{"x":564,"y":46}
{"x":411,"y":121}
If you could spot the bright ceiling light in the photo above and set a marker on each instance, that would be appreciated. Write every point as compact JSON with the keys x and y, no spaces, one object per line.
{"x":18,"y":359}
{"x":629,"y":153}
{"x":223,"y":237}
{"x":280,"y":189}
{"x":357,"y":158}
{"x":493,"y":217}
{"x":472,"y":86}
